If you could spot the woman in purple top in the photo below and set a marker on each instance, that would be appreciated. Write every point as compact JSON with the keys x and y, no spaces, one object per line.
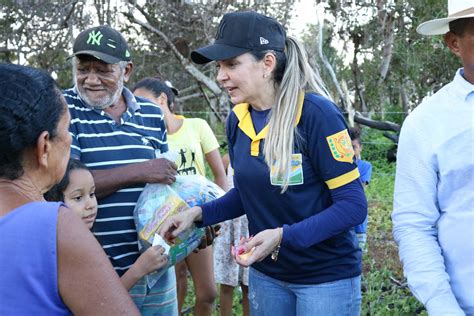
{"x":50,"y":263}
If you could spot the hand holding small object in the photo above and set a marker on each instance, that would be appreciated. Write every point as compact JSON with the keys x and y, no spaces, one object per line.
{"x":154,"y":258}
{"x":257,"y":248}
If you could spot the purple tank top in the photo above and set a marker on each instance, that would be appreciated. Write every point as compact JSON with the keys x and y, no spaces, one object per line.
{"x":28,"y":261}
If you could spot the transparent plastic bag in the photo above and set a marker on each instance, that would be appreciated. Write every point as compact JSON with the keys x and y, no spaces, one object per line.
{"x":159,"y":201}
{"x":196,"y":190}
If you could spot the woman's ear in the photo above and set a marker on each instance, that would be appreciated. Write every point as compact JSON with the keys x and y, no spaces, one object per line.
{"x":269,"y":62}
{"x":43,"y":149}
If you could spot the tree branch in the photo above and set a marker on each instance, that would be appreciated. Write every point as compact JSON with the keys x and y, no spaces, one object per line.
{"x":380,"y":125}
{"x":327,"y":64}
{"x":189,"y":67}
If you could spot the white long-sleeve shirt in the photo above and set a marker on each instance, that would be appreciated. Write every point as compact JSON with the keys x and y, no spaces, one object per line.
{"x":433,"y":212}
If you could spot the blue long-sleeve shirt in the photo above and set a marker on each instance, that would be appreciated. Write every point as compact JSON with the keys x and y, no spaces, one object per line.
{"x":310,"y":231}
{"x":323,"y":203}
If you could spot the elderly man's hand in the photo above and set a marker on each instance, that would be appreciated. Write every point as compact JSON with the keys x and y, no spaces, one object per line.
{"x":159,"y":170}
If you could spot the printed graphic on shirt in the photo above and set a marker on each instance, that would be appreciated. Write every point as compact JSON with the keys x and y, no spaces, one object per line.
{"x":188,"y":162}
{"x":296,"y":172}
{"x":340,"y":146}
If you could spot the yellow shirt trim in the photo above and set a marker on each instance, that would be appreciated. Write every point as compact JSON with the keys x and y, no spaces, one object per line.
{"x":343,"y":179}
{"x":246,"y":125}
{"x":300,"y":107}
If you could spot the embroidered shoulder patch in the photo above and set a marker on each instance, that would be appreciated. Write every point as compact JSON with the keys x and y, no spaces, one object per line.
{"x":340,"y":146}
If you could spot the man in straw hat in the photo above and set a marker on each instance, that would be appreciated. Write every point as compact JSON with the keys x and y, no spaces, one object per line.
{"x":433,"y":215}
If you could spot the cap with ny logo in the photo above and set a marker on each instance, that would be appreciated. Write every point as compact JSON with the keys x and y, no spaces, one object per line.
{"x":103,"y":43}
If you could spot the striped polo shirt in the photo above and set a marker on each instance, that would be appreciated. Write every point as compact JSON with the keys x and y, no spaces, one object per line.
{"x":102,"y":143}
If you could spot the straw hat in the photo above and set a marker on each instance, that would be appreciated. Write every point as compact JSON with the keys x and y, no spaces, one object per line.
{"x":457,"y":9}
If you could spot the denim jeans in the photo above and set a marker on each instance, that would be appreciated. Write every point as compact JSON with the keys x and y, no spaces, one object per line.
{"x":272,"y":297}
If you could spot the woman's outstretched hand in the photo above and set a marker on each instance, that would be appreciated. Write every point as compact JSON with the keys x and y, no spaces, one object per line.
{"x":257,"y":248}
{"x":176,"y":224}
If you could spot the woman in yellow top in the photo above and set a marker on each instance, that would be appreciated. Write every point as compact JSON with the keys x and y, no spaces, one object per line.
{"x":193,"y":141}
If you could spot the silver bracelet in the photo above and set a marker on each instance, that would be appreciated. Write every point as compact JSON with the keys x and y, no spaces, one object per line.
{"x":276,"y":251}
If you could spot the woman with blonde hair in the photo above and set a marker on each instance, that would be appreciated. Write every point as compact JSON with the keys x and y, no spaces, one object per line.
{"x":295,"y":176}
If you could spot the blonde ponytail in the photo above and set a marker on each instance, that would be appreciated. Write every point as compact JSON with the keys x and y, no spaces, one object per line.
{"x":280,"y":140}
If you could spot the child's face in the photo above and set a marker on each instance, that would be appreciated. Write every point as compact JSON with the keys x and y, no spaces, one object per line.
{"x":80,"y":195}
{"x":357,"y":148}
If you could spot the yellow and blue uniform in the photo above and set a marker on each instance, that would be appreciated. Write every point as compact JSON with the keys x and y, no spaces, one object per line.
{"x":322,"y":204}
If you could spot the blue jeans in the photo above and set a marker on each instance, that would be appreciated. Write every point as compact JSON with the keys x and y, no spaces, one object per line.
{"x":272,"y":297}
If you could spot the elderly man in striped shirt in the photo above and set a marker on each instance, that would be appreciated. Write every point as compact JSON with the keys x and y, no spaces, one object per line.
{"x":118,"y":136}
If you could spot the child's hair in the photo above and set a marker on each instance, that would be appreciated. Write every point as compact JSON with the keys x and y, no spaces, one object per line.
{"x":56,"y":193}
{"x":157,"y":86}
{"x":355,"y":133}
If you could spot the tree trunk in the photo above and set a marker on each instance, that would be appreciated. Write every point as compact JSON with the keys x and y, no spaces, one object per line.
{"x":327,"y":64}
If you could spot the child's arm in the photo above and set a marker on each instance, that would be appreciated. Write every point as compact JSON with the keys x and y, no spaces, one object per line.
{"x":214,"y":160}
{"x":149,"y":261}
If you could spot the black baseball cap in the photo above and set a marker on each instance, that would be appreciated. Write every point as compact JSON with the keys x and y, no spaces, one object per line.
{"x":241,"y":32}
{"x":170,"y":85}
{"x":103,"y":43}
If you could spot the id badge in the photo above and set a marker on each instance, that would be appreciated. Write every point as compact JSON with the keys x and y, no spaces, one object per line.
{"x":296,"y":172}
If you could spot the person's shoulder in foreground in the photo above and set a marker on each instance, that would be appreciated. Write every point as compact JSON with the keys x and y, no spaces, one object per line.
{"x":434,"y":186}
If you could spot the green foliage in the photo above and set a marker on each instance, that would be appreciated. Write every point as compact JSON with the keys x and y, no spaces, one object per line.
{"x":190,"y":300}
{"x":384,"y":288}
{"x":364,"y":35}
{"x":383,"y":296}
{"x":375,"y":147}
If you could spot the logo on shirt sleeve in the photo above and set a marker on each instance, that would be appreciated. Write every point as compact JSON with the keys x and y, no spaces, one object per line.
{"x":340,"y":146}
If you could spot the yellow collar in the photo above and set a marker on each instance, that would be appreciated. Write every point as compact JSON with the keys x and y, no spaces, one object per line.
{"x":246,"y":125}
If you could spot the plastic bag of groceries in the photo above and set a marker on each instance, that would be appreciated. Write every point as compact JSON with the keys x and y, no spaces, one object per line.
{"x":158,"y":201}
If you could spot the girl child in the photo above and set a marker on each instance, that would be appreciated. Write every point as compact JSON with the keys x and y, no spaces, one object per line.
{"x":77,"y":191}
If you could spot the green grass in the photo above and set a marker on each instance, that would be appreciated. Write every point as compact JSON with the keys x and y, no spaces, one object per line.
{"x":190,"y":299}
{"x":384,"y":289}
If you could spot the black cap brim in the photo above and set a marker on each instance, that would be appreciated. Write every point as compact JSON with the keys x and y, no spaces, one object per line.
{"x":175,"y":91}
{"x":216,"y":51}
{"x":98,"y":55}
